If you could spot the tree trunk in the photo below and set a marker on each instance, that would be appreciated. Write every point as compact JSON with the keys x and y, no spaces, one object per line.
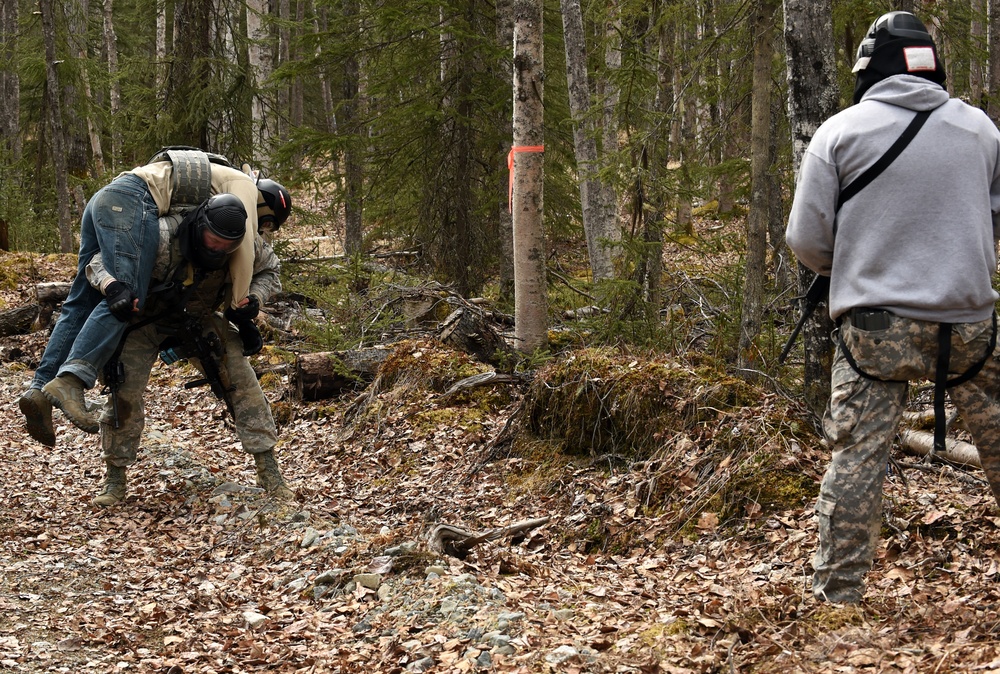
{"x":318,"y":376}
{"x":813,"y":96}
{"x":160,"y":66}
{"x":10,"y":86}
{"x":595,"y":226}
{"x":350,"y":113}
{"x":609,"y":140}
{"x":505,"y":39}
{"x":527,"y":165}
{"x":261,"y":64}
{"x":760,"y":155}
{"x":993,"y":60}
{"x":57,"y":139}
{"x":115,"y":89}
{"x":975,"y":65}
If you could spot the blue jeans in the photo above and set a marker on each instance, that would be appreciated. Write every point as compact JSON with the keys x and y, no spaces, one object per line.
{"x":121,"y":224}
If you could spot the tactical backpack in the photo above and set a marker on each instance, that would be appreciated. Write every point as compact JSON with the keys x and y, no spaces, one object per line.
{"x":192,"y":180}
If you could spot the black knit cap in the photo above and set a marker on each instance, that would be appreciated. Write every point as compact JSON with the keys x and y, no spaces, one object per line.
{"x":226,"y":217}
{"x":897,"y":43}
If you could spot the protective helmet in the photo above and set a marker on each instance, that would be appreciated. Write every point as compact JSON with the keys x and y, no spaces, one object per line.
{"x":214,"y":231}
{"x":226,"y":217}
{"x":277,"y":199}
{"x":897,"y":43}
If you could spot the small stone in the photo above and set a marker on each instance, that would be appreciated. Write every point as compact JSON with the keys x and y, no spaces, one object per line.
{"x":421,"y":665}
{"x":562,"y":655}
{"x":385,"y":530}
{"x":485,"y":660}
{"x":370,"y":580}
{"x":401,"y":549}
{"x":361,"y":627}
{"x":474,"y":634}
{"x":564,"y":614}
{"x":466,"y":579}
{"x":309,"y":537}
{"x":384,"y":592}
{"x":439,"y":570}
{"x":448,"y":606}
{"x":510,"y":617}
{"x":254,"y":619}
{"x":331,"y":577}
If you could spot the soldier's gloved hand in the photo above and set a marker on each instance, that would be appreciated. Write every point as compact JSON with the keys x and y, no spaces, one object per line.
{"x":251,"y":338}
{"x":246,"y":312}
{"x":122,"y":302}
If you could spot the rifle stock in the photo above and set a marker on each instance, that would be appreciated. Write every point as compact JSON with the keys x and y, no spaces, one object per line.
{"x":818,"y":292}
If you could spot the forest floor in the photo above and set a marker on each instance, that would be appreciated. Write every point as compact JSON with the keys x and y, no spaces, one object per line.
{"x":197,"y":571}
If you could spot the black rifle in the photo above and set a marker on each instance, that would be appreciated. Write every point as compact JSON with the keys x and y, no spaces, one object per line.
{"x":186,"y":338}
{"x":819,"y":291}
{"x":191,"y":340}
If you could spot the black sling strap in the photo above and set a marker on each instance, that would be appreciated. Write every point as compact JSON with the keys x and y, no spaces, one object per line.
{"x":890,"y":155}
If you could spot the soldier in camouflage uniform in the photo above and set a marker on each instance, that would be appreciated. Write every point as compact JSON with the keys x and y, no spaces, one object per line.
{"x":211,"y":291}
{"x":910,"y":259}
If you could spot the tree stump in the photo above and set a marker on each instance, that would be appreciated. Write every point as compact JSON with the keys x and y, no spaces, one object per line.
{"x":49,"y":295}
{"x":325,"y":374}
{"x":467,"y":330}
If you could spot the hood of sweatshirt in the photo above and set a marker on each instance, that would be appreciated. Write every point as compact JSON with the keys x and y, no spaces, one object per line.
{"x":907,"y":91}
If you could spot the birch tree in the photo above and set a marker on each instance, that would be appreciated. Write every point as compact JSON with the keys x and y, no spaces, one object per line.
{"x":597,"y":229}
{"x":115,"y":89}
{"x":526,"y":163}
{"x":812,"y":98}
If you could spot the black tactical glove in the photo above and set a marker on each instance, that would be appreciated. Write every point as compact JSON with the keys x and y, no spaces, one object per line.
{"x":250,"y":336}
{"x":120,"y":299}
{"x":247,"y":312}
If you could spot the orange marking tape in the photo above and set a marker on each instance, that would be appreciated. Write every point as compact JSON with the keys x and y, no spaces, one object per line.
{"x":510,"y":167}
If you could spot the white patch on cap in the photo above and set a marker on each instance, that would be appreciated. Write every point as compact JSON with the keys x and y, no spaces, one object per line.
{"x":862,"y":63}
{"x":919,"y":59}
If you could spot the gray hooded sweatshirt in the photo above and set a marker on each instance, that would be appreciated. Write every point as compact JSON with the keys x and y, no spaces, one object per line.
{"x":920,"y":240}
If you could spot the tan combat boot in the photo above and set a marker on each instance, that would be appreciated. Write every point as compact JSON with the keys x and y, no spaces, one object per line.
{"x":114,"y":487}
{"x":66,"y":393}
{"x":269,"y":476}
{"x":37,"y":411}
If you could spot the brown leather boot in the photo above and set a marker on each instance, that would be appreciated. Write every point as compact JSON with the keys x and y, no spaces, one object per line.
{"x":114,"y":487}
{"x":37,"y":411}
{"x":66,"y":393}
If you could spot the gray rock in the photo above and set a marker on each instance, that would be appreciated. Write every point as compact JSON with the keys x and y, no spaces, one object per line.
{"x":439,"y":570}
{"x":309,"y":537}
{"x":485,"y":660}
{"x":401,"y":549}
{"x":564,"y":614}
{"x":421,"y":665}
{"x":331,"y":577}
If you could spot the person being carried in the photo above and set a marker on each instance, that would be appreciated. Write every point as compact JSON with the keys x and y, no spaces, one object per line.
{"x":120,"y":225}
{"x":192,"y":282}
{"x":910,"y":260}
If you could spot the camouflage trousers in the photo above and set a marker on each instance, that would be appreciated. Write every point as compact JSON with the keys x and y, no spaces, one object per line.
{"x":861,"y":423}
{"x":254,"y":423}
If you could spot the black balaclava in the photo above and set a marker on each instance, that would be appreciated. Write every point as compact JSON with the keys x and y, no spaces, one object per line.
{"x":891,"y":53}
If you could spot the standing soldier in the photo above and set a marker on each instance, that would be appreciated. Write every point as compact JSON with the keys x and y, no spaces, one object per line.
{"x":910,"y":260}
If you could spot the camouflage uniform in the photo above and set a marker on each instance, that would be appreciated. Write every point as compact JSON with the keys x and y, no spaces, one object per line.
{"x":254,"y":423}
{"x":861,"y":421}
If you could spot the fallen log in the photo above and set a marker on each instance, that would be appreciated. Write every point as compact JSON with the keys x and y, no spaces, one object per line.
{"x":921,"y":443}
{"x":325,"y":374}
{"x":18,"y":321}
{"x":448,"y":539}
